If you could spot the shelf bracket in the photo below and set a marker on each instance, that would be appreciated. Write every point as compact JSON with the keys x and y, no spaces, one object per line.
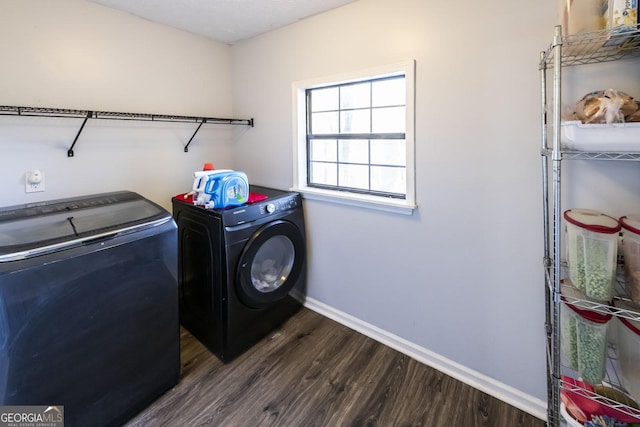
{"x":186,"y":147}
{"x":73,"y":144}
{"x":248,"y":122}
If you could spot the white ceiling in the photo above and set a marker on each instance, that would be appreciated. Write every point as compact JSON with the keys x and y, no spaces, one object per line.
{"x":227,"y":21}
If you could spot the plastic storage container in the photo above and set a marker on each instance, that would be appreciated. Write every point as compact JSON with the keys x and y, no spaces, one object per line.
{"x":583,"y":337}
{"x":592,"y":251}
{"x":629,"y":350}
{"x":631,"y":250}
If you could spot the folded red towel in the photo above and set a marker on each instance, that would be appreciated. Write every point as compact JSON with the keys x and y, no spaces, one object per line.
{"x":185,"y":197}
{"x":253,"y":197}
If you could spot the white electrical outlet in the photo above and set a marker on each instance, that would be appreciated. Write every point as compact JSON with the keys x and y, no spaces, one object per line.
{"x":34,"y":181}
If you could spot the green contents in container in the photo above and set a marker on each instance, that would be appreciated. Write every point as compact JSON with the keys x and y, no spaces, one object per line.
{"x":569,"y":335}
{"x":583,"y":335}
{"x":592,"y":351}
{"x":593,"y":270}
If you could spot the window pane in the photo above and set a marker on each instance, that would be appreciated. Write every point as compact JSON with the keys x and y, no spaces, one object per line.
{"x":324,"y":123}
{"x":388,"y":179}
{"x":353,"y":150}
{"x":356,"y":121}
{"x":373,"y":111}
{"x":355,"y":176}
{"x":388,"y":92}
{"x":355,"y":96}
{"x":323,"y":150}
{"x":324,"y":99}
{"x":389,"y":152}
{"x":323,"y":173}
{"x":389,"y":120}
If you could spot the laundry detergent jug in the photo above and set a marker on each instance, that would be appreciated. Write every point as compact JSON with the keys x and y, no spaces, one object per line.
{"x":220,"y":188}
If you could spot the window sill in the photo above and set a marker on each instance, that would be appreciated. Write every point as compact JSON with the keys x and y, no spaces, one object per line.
{"x":359,"y":200}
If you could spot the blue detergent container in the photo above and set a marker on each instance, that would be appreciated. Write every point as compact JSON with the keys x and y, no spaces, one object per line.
{"x":218,"y":189}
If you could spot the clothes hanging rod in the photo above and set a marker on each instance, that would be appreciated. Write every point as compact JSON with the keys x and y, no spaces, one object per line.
{"x":6,"y":110}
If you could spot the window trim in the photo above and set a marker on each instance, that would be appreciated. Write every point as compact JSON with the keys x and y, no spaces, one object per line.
{"x":403,"y":206}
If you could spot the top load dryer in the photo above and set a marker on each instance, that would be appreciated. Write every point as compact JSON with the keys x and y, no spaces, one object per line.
{"x":88,"y":306}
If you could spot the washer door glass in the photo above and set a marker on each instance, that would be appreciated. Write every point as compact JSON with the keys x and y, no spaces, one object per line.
{"x":271,"y":263}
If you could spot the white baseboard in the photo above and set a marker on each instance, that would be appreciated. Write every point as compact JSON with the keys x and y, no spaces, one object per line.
{"x":508,"y":394}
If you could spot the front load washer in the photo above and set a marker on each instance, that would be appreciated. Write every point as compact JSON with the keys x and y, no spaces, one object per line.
{"x":242,"y":270}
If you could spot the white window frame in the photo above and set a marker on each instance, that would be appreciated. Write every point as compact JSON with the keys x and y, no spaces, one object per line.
{"x":404,"y":206}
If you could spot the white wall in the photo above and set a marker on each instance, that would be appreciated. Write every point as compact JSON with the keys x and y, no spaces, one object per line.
{"x":79,"y":55}
{"x":461,"y":280}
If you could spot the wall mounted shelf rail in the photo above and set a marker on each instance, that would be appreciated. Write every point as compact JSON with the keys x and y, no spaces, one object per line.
{"x":108,"y":115}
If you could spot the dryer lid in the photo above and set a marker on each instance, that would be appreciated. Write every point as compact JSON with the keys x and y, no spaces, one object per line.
{"x":26,"y":228}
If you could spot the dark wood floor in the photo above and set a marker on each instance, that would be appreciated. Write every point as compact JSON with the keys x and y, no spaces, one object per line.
{"x":316,"y":372}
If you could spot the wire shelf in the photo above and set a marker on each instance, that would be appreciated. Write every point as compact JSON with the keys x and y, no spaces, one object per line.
{"x":591,"y":395}
{"x":608,"y":308}
{"x":595,"y":47}
{"x":612,"y":376}
{"x":570,"y":50}
{"x":594,"y":155}
{"x":6,"y":110}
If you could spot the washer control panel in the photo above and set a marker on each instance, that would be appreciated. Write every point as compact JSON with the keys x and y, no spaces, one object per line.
{"x":274,"y":204}
{"x":279,"y":205}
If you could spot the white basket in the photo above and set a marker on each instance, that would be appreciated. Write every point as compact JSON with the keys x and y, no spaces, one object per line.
{"x":576,"y":135}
